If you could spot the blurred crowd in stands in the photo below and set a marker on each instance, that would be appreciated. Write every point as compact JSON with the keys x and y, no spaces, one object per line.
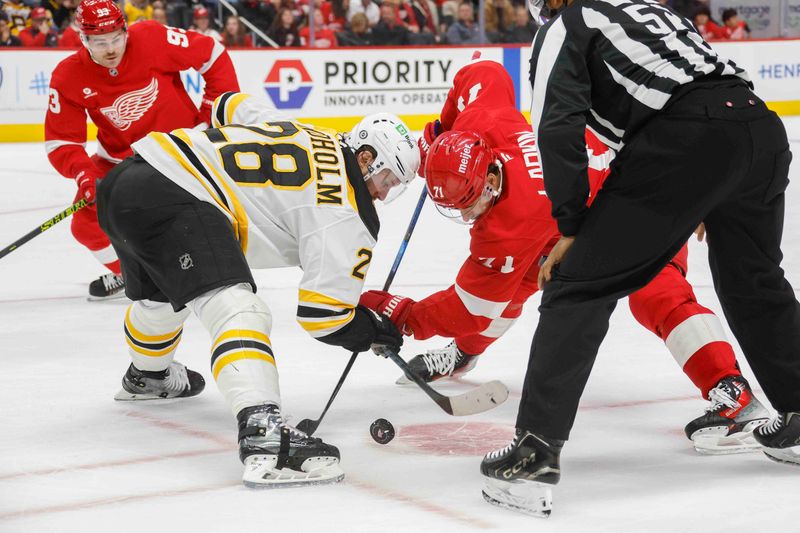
{"x":290,"y":23}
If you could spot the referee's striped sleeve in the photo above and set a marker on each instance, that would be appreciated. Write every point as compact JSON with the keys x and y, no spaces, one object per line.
{"x":561,"y":99}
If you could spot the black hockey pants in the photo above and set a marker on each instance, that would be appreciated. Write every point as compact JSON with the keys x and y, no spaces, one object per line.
{"x":715,"y":155}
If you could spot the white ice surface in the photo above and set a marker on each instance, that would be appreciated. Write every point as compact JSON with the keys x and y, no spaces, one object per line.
{"x":72,"y":459}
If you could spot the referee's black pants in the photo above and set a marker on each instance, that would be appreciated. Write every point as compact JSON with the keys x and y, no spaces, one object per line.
{"x":717,"y":155}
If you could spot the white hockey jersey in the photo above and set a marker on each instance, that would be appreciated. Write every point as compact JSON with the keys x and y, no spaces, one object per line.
{"x":294,"y":195}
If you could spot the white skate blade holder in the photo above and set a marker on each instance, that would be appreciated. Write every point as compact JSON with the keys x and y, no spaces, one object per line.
{"x":528,"y":497}
{"x":717,"y":441}
{"x":260,"y":472}
{"x":790,"y":456}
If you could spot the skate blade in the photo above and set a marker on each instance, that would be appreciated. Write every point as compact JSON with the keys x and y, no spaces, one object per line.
{"x":716,"y":441}
{"x":115,"y":296}
{"x":528,"y":497}
{"x":125,"y":396}
{"x":789,"y":456}
{"x":260,"y":472}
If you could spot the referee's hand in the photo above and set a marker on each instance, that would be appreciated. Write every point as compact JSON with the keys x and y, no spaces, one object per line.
{"x":555,"y":257}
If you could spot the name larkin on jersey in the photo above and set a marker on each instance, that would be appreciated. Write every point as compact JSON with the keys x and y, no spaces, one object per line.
{"x":327,"y":164}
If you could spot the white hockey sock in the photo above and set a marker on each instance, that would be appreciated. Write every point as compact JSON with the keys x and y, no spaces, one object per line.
{"x":241,"y":354}
{"x":153,"y":331}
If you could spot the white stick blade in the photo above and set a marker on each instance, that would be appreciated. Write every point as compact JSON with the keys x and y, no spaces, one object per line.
{"x":481,"y":399}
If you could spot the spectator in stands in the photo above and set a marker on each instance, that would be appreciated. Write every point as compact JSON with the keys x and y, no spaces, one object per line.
{"x":6,"y":39}
{"x":427,"y":16}
{"x":202,"y":24}
{"x":705,"y":25}
{"x":499,"y":17}
{"x":368,"y":7}
{"x":464,"y":30}
{"x":234,"y":34}
{"x":70,"y":37}
{"x":324,"y":35}
{"x":388,"y":31}
{"x":334,"y":13}
{"x":298,"y":11}
{"x":136,"y":10}
{"x":40,"y":33}
{"x":284,"y":29}
{"x":61,"y":11}
{"x":449,"y":14}
{"x":160,"y":16}
{"x":357,"y":34}
{"x":733,"y":27}
{"x":261,"y":13}
{"x":523,"y":29}
{"x":17,"y":13}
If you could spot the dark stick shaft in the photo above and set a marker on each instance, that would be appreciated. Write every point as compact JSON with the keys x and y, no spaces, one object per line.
{"x":44,"y":226}
{"x":313,"y":424}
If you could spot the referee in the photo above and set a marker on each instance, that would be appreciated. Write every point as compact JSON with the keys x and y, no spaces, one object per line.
{"x":694,"y":145}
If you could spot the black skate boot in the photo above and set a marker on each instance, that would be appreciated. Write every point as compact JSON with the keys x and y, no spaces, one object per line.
{"x":107,"y":287}
{"x":176,"y":381}
{"x":519,"y":476}
{"x":728,"y":423}
{"x":276,"y":454}
{"x":445,"y":362}
{"x":781,"y":438}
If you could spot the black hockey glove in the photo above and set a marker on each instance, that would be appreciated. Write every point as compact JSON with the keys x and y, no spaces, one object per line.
{"x":387,"y":336}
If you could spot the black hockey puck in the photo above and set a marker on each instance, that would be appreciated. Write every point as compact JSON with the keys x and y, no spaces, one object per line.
{"x":382,"y":431}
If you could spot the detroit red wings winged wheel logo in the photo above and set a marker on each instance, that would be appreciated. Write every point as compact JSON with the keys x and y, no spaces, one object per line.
{"x":130,"y":107}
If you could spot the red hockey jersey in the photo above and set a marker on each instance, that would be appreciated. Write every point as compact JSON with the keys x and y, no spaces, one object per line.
{"x":143,"y":94}
{"x":507,"y":242}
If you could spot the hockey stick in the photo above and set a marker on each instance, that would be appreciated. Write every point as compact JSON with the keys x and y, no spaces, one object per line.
{"x":309,"y":426}
{"x":480,"y":399}
{"x":44,"y":226}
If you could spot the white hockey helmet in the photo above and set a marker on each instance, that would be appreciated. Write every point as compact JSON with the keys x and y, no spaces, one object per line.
{"x":395,"y":150}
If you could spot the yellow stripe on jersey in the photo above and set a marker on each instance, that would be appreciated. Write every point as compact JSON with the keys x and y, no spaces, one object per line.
{"x":231,"y":105}
{"x":329,"y":325}
{"x":166,"y":145}
{"x":225,"y":360}
{"x":240,"y":220}
{"x":319,"y":298}
{"x":147,"y":338}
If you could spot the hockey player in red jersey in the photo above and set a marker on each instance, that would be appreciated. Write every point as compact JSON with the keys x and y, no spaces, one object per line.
{"x":483,"y":168}
{"x":128,"y":81}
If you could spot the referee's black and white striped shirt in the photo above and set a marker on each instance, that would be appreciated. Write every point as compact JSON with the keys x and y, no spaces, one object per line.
{"x":608,"y":65}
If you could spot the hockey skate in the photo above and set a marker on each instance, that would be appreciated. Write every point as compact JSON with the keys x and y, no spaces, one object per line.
{"x":176,"y":381}
{"x":445,"y":362}
{"x":780,"y":438}
{"x":276,"y":454}
{"x":107,"y":287}
{"x":519,"y":477}
{"x":728,"y":423}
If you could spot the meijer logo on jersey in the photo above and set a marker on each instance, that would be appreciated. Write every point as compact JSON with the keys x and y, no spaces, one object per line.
{"x":130,"y":107}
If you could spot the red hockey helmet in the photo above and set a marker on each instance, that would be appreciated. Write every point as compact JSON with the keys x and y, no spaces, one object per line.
{"x":456,"y":169}
{"x":96,"y":17}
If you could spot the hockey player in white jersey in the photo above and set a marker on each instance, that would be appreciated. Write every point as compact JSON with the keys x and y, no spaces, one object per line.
{"x":193,"y":211}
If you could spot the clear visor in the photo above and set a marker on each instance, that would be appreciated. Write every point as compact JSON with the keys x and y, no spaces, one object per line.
{"x":469,"y":215}
{"x":102,"y":44}
{"x":386,"y":185}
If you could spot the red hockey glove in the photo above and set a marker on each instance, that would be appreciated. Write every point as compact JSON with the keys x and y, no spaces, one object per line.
{"x":432,"y":130}
{"x":395,"y":308}
{"x":87,"y":185}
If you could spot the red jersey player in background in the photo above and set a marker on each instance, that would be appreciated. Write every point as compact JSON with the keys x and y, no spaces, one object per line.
{"x":128,"y":81}
{"x":483,"y":167}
